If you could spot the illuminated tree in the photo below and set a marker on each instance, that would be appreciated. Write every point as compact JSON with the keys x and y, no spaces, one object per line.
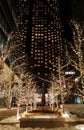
{"x":27,"y":90}
{"x":53,"y":93}
{"x":58,"y":91}
{"x":9,"y":62}
{"x":58,"y":94}
{"x":13,"y":51}
{"x":76,"y":50}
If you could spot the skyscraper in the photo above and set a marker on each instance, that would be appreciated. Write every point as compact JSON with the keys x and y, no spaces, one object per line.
{"x":45,"y":38}
{"x":19,"y":38}
{"x":7,"y":20}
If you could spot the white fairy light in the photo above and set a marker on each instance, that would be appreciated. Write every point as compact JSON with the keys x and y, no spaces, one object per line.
{"x":65,"y":115}
{"x":80,"y":127}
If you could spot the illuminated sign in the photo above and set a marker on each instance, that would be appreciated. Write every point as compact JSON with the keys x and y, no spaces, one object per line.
{"x":69,"y":72}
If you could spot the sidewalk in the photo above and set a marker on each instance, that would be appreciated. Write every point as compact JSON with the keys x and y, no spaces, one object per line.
{"x":74,"y":107}
{"x":4,"y":112}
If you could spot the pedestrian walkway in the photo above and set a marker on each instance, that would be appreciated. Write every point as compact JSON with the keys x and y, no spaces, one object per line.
{"x":5,"y":113}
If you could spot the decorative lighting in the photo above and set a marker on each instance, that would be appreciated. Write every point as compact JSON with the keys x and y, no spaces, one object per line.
{"x":18,"y":117}
{"x":69,"y":72}
{"x":80,"y":127}
{"x":18,"y":114}
{"x":77,"y":79}
{"x":42,"y":116}
{"x":65,"y":115}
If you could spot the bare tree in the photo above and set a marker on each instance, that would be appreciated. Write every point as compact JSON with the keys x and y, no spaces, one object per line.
{"x":59,"y":90}
{"x":27,"y":91}
{"x":10,"y":62}
{"x":77,"y":54}
{"x":53,"y":93}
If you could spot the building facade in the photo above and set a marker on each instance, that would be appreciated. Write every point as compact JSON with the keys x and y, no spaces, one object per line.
{"x":37,"y":29}
{"x":45,"y":42}
{"x":22,"y":9}
{"x":7,"y":20}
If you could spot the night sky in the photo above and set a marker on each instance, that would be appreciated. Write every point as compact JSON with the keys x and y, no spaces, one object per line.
{"x":74,"y":8}
{"x":78,"y":9}
{"x":71,"y":9}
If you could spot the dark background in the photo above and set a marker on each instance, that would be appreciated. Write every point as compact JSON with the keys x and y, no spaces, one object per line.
{"x":78,"y":9}
{"x":70,"y":9}
{"x":73,"y":8}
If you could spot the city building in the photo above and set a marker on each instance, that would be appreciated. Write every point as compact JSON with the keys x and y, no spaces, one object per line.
{"x":41,"y":29}
{"x":20,"y":36}
{"x":46,"y":35}
{"x":13,"y":27}
{"x":7,"y":24}
{"x":46,"y":30}
{"x":7,"y":19}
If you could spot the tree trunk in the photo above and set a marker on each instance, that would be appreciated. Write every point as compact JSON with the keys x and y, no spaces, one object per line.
{"x":9,"y":97}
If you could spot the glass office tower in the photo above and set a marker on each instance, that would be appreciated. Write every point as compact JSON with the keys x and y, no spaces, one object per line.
{"x":46,"y":35}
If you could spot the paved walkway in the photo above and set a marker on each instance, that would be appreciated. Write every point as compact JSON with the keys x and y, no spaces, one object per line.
{"x":5,"y":113}
{"x":73,"y":108}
